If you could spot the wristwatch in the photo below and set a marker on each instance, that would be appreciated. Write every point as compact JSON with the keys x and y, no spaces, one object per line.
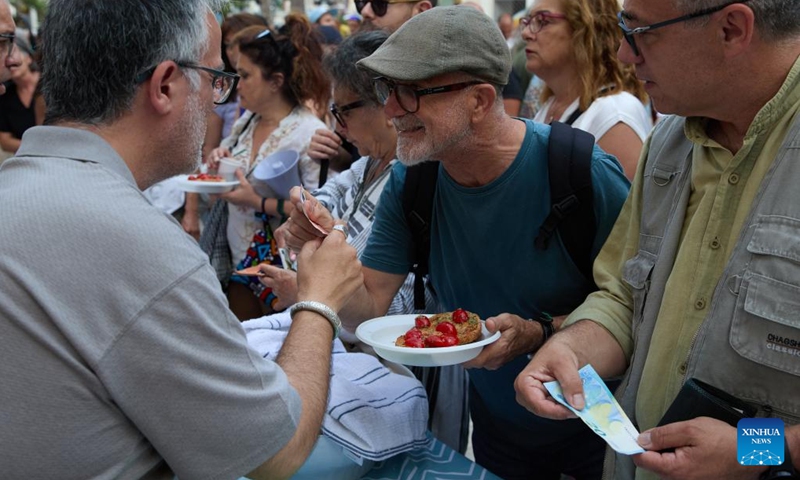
{"x":785,"y":471}
{"x":546,"y":321}
{"x":321,"y":309}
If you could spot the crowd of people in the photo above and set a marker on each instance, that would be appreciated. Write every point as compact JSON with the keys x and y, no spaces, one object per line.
{"x":673,"y":264}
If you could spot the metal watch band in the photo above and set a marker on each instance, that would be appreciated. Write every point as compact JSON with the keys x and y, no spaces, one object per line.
{"x":322,"y":309}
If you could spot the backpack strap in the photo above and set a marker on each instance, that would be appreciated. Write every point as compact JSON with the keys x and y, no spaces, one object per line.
{"x":577,"y":113}
{"x":569,"y":161}
{"x":418,"y":192}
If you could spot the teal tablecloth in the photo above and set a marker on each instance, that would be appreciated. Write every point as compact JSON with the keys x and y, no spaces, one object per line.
{"x":436,"y":461}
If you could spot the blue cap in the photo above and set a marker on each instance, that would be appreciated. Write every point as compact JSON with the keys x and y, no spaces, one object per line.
{"x":317,"y":13}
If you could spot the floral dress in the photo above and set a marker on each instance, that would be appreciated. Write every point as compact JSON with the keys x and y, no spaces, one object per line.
{"x":293,"y":133}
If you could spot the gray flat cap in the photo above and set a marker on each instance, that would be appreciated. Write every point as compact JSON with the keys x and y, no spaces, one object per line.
{"x":443,"y":40}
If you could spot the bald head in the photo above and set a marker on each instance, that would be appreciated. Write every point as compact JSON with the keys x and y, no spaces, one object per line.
{"x":6,"y":28}
{"x":506,"y":24}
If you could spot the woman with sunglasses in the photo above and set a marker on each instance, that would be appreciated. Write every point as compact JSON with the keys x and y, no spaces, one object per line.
{"x":353,"y":194}
{"x":280,"y":72}
{"x":572,"y":46}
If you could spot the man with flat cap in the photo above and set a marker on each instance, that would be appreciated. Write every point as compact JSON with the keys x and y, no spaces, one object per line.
{"x":440,"y":77}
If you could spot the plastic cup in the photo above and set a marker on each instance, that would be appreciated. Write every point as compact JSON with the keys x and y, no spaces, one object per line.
{"x":279,"y":171}
{"x":227,"y":168}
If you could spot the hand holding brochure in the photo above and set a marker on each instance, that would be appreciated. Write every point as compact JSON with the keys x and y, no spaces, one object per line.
{"x":601,"y":413}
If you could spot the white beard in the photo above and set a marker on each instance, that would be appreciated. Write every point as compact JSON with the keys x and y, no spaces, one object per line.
{"x":450,"y":131}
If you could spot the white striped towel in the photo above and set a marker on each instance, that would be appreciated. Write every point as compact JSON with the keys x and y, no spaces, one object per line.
{"x":372,"y":412}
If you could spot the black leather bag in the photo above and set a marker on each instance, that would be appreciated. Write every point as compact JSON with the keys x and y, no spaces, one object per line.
{"x":699,"y":399}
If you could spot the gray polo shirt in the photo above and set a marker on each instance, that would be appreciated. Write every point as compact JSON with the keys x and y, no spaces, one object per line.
{"x":120,"y":357}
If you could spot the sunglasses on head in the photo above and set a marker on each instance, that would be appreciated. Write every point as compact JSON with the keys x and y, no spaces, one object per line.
{"x":379,"y":6}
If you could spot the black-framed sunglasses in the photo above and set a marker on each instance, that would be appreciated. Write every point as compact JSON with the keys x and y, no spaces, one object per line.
{"x":407,"y":96}
{"x":338,"y":111}
{"x":630,"y":32}
{"x":8,"y":39}
{"x":379,"y":6}
{"x":222,"y":83}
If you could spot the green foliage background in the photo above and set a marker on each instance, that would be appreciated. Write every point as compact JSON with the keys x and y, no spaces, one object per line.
{"x":24,"y":6}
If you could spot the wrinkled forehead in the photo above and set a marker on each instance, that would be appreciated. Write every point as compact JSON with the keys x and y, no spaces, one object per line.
{"x":548,"y":5}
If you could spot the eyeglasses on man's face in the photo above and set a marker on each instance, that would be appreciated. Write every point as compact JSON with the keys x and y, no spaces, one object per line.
{"x":7,"y":43}
{"x":407,"y":96}
{"x":379,"y":7}
{"x":222,"y":83}
{"x":536,"y":22}
{"x":337,"y":111}
{"x":629,"y":33}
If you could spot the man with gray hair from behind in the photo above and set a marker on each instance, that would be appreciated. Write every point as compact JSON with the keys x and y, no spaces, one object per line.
{"x":7,"y":57}
{"x":121,"y":356}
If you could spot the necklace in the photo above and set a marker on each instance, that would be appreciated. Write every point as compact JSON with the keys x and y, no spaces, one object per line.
{"x":554,"y":112}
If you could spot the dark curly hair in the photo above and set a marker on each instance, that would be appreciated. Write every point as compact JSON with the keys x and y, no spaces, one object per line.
{"x":295,"y":52}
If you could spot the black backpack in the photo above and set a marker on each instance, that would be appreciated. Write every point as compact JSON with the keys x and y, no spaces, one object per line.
{"x":569,"y":161}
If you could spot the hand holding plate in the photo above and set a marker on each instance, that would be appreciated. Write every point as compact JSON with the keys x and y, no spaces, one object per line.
{"x":215,"y":156}
{"x":244,"y":195}
{"x":517,"y":337}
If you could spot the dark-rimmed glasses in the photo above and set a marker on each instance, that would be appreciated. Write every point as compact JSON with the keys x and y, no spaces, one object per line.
{"x":222,"y":83}
{"x":407,"y":96}
{"x":379,"y":7}
{"x":536,"y":22}
{"x":8,"y":39}
{"x":338,"y":111}
{"x":629,"y":33}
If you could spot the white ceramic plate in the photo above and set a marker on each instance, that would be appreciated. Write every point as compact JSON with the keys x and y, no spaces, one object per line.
{"x":187,"y":185}
{"x":381,"y":333}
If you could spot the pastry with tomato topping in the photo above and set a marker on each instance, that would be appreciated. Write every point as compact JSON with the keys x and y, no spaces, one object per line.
{"x":448,"y":329}
{"x":206,"y":177}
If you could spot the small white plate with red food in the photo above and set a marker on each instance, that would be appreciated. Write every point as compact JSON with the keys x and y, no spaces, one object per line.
{"x":429,"y":340}
{"x":205,"y":183}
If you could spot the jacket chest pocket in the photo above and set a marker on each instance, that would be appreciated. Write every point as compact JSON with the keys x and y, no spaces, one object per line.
{"x":637,"y":273}
{"x":766,"y":321}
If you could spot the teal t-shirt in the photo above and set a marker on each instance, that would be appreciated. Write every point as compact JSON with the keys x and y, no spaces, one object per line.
{"x":482,"y":255}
